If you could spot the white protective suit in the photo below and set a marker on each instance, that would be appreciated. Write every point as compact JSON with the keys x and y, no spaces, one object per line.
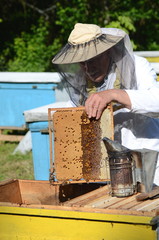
{"x":138,"y":129}
{"x":145,"y":130}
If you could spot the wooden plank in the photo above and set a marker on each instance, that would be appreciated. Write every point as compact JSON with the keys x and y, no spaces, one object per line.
{"x":123,"y":203}
{"x":13,"y":128}
{"x":85,"y":197}
{"x":89,"y":200}
{"x":156,"y":210}
{"x":91,"y":210}
{"x":29,"y":192}
{"x":10,"y":192}
{"x":5,"y":182}
{"x":41,"y":192}
{"x":97,"y":203}
{"x":79,"y":181}
{"x":105,"y":203}
{"x":132,"y":204}
{"x":11,"y":138}
{"x":147,"y":205}
{"x":129,"y":205}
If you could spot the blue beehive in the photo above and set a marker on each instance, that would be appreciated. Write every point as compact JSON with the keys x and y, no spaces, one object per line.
{"x":40,"y":150}
{"x":23,"y":91}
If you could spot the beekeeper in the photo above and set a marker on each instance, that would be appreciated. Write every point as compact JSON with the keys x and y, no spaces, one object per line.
{"x":98,"y":67}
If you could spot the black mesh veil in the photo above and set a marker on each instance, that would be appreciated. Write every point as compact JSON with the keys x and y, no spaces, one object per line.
{"x":74,"y":82}
{"x":118,"y":65}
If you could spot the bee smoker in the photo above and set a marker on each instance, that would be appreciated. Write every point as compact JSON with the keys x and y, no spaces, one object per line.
{"x":121,"y":165}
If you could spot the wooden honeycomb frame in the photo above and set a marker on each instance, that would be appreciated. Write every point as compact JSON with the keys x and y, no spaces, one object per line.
{"x":77,"y":152}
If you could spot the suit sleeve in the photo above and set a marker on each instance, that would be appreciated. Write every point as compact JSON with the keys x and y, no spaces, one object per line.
{"x":146,"y":98}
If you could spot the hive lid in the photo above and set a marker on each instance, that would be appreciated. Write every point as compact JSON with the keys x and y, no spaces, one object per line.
{"x":77,"y":152}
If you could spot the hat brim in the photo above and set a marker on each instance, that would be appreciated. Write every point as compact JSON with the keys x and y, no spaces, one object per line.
{"x":83,"y":52}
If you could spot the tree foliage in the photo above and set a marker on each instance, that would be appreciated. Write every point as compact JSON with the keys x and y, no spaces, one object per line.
{"x":32,"y":50}
{"x":36,"y":29}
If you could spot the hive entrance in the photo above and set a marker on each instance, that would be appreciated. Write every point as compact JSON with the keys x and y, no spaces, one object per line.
{"x":76,"y":146}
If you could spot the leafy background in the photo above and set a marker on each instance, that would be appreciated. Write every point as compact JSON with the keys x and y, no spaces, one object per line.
{"x":32,"y":31}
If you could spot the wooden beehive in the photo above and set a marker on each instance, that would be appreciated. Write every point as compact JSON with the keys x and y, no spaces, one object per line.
{"x":77,"y":151}
{"x":32,"y":210}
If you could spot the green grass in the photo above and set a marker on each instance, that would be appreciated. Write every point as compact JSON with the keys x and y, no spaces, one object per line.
{"x":14,"y":166}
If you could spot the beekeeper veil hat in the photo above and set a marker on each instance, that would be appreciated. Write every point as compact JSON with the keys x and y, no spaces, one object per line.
{"x":87,"y":42}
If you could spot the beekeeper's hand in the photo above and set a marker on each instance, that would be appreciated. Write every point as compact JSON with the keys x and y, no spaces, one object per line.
{"x":97,"y":102}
